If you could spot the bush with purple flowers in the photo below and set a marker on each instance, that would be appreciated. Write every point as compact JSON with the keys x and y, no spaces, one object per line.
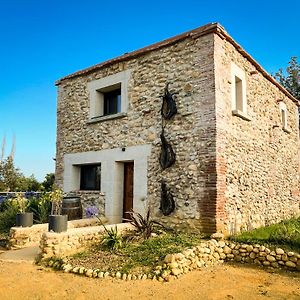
{"x":91,"y":211}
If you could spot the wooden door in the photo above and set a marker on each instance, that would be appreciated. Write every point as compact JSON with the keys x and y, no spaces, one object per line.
{"x":128,"y":189}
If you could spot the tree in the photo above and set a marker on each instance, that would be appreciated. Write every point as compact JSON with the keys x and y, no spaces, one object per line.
{"x":291,"y":78}
{"x":9,"y":175}
{"x":48,"y":182}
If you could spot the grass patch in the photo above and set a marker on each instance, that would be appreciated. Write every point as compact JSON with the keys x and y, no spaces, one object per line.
{"x":285,"y":234}
{"x":136,"y":257}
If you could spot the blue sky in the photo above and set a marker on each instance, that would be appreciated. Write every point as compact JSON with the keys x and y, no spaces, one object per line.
{"x":42,"y":41}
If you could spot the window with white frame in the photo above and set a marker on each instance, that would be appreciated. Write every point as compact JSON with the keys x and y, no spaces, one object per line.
{"x":108,"y":96}
{"x":283,"y":116}
{"x":238,"y":92}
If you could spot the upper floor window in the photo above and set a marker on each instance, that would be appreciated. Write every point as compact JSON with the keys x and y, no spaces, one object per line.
{"x":238,"y":92}
{"x":112,"y":102}
{"x":283,"y":116}
{"x":108,"y":96}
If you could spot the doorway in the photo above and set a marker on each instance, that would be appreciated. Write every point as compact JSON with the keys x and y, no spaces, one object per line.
{"x":128,"y":189}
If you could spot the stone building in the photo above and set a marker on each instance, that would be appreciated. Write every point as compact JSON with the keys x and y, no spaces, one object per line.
{"x":235,"y":136}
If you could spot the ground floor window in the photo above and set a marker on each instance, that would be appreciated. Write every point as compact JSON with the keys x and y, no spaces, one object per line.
{"x":90,"y":177}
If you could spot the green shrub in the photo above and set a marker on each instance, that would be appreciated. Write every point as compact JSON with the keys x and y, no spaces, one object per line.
{"x":8,"y":218}
{"x":41,"y":208}
{"x":286,"y":233}
{"x":112,"y":240}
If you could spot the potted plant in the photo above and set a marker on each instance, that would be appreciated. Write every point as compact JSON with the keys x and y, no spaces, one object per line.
{"x":23,"y":218}
{"x":57,"y":222}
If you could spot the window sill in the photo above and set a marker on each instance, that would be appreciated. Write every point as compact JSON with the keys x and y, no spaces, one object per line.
{"x":241,"y":114}
{"x":286,"y":129}
{"x":106,"y":118}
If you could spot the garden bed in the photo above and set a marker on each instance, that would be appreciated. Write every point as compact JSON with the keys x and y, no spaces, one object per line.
{"x":134,"y":257}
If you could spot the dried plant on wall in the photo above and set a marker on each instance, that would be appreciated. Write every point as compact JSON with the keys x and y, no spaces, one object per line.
{"x":167,"y":155}
{"x":168,"y":108}
{"x":167,"y":203}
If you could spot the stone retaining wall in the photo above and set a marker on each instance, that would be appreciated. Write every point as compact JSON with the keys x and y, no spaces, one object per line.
{"x":208,"y":253}
{"x":212,"y":252}
{"x":74,"y":240}
{"x":21,"y":237}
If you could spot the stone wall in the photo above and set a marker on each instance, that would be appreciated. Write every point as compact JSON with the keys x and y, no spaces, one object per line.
{"x":188,"y":67}
{"x":74,"y":240}
{"x":257,"y":161}
{"x":211,"y":252}
{"x":90,"y":198}
{"x":230,"y":174}
{"x":21,"y":237}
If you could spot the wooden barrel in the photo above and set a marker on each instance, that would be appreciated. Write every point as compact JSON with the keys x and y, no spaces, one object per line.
{"x":71,"y":206}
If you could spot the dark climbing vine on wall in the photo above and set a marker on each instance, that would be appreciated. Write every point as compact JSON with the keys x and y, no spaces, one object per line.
{"x":168,"y":108}
{"x":167,"y":203}
{"x":167,"y":155}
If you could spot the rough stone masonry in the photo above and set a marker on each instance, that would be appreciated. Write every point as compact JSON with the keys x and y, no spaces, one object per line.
{"x":231,"y":172}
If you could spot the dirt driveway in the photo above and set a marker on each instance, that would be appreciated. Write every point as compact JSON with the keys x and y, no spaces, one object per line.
{"x":26,"y":281}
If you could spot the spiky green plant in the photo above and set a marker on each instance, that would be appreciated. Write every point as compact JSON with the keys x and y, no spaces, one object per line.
{"x":112,"y":239}
{"x":144,"y":225}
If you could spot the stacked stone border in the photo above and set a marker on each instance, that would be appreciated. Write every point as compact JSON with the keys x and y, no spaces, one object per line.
{"x":21,"y":237}
{"x":208,"y":253}
{"x":74,"y":240}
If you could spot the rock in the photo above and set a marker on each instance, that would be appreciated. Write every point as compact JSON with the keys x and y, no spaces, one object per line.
{"x":249,"y":248}
{"x":274,"y":264}
{"x":252,"y":255}
{"x":221,"y":244}
{"x":175,"y":271}
{"x":124,"y":276}
{"x":129,"y":277}
{"x":173,"y":265}
{"x":89,"y":273}
{"x":290,"y":253}
{"x":227,"y":250}
{"x":179,"y":256}
{"x":290,"y":264}
{"x":216,"y":255}
{"x":284,"y":257}
{"x":262,"y":248}
{"x":279,"y":251}
{"x":106,"y":275}
{"x":271,"y":258}
{"x":165,"y":273}
{"x":222,"y":256}
{"x":95,"y":273}
{"x":100,"y":274}
{"x":118,"y":275}
{"x":266,"y":263}
{"x":217,"y":236}
{"x":193,"y":167}
{"x":81,"y":270}
{"x":169,"y":258}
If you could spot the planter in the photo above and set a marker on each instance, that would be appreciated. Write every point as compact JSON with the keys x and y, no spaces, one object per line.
{"x":58,"y":223}
{"x":24,"y":219}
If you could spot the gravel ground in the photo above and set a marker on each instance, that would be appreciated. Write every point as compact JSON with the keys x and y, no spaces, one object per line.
{"x":26,"y":281}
